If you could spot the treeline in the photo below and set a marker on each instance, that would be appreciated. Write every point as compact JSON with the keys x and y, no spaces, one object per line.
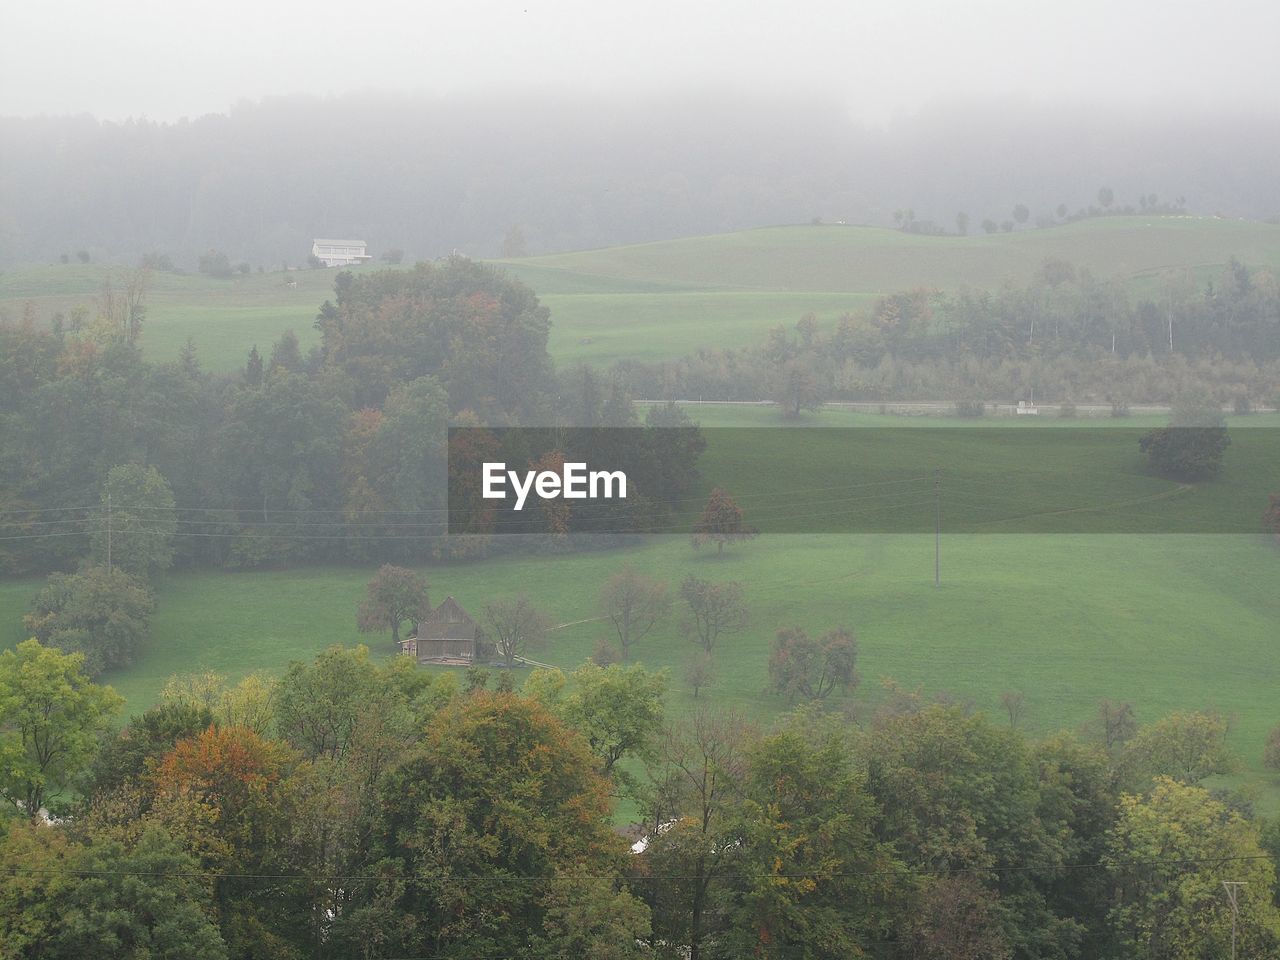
{"x":1067,"y":336}
{"x":513,"y":175}
{"x":360,"y":810}
{"x":338,"y":454}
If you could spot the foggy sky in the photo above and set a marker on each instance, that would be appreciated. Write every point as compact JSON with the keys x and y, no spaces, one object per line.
{"x":161,"y":60}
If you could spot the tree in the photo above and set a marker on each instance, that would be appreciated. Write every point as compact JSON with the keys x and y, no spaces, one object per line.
{"x":1186,"y":747}
{"x":700,"y":768}
{"x":392,"y":255}
{"x":1015,"y":704}
{"x":1116,"y":723}
{"x":1271,"y":519}
{"x":1106,"y":197}
{"x":319,"y":705}
{"x":957,"y":918}
{"x":214,"y":263}
{"x":962,"y":223}
{"x":253,"y":369}
{"x":394,"y":595}
{"x":138,"y":521}
{"x":103,"y":614}
{"x":141,"y":902}
{"x":499,"y":797}
{"x":1271,"y":754}
{"x":34,"y":883}
{"x":128,"y":756}
{"x":633,"y":603}
{"x":714,"y":609}
{"x":1185,"y":453}
{"x":51,"y":716}
{"x":700,"y":672}
{"x":813,"y":669}
{"x":812,"y":874}
{"x":721,"y":522}
{"x":617,"y":709}
{"x":286,"y":354}
{"x":1021,"y":213}
{"x":989,"y":226}
{"x":1166,"y":856}
{"x":514,"y":244}
{"x":796,"y":385}
{"x":515,"y":625}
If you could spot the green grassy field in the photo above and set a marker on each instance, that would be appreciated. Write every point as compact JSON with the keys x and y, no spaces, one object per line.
{"x":1171,"y":622}
{"x":659,"y":300}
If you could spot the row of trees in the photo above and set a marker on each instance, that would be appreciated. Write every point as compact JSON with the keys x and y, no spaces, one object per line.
{"x":1067,"y":335}
{"x":360,"y":810}
{"x":1149,"y":204}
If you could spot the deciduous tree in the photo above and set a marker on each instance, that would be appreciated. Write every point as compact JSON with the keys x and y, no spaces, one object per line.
{"x":394,"y":595}
{"x":515,"y":625}
{"x":721,"y":522}
{"x":618,"y":709}
{"x":138,"y":520}
{"x":101,"y":613}
{"x":633,"y":603}
{"x":51,"y":716}
{"x":714,"y":609}
{"x":813,"y":669}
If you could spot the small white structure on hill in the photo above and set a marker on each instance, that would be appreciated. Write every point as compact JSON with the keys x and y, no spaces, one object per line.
{"x":339,"y":253}
{"x":1027,"y":409}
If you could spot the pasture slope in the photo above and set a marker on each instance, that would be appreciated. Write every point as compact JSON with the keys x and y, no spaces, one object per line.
{"x":1167,"y":622}
{"x":665,"y":299}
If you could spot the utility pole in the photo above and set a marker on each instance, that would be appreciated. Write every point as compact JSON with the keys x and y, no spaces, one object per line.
{"x":937,"y":527}
{"x":108,"y":532}
{"x":1233,"y":890}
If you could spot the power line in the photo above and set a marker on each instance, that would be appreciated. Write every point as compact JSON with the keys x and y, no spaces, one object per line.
{"x":23,"y":870}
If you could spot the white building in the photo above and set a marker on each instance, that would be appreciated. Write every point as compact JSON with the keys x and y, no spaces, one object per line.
{"x":339,"y":253}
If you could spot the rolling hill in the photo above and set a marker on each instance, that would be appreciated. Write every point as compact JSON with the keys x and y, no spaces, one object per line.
{"x":666,"y":299}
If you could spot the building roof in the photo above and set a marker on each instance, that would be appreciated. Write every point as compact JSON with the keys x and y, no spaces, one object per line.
{"x":448,"y":622}
{"x":339,"y":243}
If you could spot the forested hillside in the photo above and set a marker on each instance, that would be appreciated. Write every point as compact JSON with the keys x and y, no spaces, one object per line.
{"x":487,"y":176}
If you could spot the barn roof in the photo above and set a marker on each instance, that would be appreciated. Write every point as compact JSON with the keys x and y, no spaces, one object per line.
{"x":448,"y":621}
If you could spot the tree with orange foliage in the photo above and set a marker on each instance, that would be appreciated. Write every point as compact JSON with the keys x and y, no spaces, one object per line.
{"x":721,"y":522}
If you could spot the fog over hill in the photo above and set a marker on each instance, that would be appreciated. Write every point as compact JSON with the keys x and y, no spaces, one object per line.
{"x":431,"y":176}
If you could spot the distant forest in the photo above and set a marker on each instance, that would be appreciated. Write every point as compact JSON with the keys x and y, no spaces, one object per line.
{"x":486,"y":177}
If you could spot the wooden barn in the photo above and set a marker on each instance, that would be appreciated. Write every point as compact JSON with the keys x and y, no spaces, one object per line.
{"x":448,"y":635}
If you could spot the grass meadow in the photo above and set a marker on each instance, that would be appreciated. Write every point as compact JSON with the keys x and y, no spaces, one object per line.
{"x":660,"y":300}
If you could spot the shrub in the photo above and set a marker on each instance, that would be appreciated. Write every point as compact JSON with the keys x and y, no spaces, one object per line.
{"x":1119,"y":408}
{"x":214,"y":263}
{"x":605,"y":654}
{"x":1186,"y":453}
{"x":970,"y":408}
